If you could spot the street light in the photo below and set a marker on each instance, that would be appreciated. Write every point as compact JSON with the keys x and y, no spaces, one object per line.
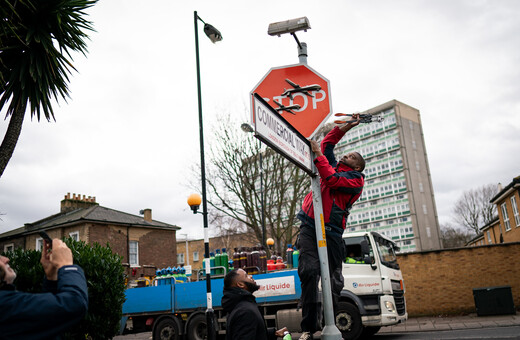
{"x":292,"y":26}
{"x":214,"y":35}
{"x":249,"y":129}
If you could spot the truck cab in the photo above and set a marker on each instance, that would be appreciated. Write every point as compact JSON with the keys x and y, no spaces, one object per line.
{"x":373,"y":293}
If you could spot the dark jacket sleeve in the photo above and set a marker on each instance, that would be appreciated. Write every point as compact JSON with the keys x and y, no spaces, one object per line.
{"x":45,"y":315}
{"x":50,"y":286}
{"x":271,"y":333}
{"x":244,"y":325}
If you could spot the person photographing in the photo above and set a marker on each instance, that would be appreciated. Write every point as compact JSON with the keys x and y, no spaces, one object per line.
{"x":62,"y":303}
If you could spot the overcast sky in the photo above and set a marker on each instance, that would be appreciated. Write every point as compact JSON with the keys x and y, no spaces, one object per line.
{"x":130,"y":132}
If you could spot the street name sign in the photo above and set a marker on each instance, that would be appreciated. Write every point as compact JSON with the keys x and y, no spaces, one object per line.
{"x":275,"y":131}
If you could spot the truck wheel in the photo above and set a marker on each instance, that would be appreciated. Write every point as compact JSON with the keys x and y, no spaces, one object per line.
{"x":166,"y":329}
{"x":368,"y":332}
{"x":197,"y":328}
{"x":348,"y":321}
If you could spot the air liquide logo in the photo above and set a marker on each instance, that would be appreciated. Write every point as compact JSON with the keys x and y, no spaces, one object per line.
{"x":275,"y":286}
{"x":365,"y":285}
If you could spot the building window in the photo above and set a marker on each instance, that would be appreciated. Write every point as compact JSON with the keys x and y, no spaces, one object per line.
{"x":133,"y":250}
{"x":421,"y":188}
{"x":195,"y":256}
{"x":414,"y":145}
{"x":180,"y":258}
{"x":425,"y":211}
{"x":505,"y":216}
{"x":39,"y":244}
{"x":74,"y":235}
{"x":8,"y":247}
{"x":489,"y":237}
{"x":515,"y":211}
{"x":417,"y":166}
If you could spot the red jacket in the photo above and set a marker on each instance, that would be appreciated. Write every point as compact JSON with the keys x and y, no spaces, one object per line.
{"x":340,"y":186}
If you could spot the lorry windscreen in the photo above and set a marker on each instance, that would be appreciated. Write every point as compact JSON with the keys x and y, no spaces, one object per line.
{"x":387,"y":253}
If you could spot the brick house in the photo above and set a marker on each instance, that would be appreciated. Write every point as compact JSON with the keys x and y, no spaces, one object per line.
{"x":505,"y":228}
{"x":508,"y":206}
{"x":143,"y":243}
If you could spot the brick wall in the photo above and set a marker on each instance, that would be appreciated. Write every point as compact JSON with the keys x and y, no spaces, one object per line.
{"x":115,"y":236}
{"x":158,"y":248}
{"x":442,"y":282}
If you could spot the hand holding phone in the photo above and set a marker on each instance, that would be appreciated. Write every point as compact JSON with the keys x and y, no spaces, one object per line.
{"x":46,"y":238}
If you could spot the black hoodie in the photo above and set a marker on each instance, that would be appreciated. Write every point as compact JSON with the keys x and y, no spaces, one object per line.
{"x":244,"y":320}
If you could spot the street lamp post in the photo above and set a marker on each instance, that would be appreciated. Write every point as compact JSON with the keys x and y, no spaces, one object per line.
{"x":330,"y":330}
{"x":248,"y":128}
{"x":214,"y":35}
{"x":187,"y":251}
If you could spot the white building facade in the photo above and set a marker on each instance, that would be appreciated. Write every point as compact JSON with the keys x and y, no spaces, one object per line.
{"x":398,"y":199}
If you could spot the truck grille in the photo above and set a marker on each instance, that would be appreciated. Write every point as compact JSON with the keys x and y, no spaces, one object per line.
{"x":400,"y":304}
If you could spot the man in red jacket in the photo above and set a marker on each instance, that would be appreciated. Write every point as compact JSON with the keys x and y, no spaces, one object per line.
{"x":341,"y":185}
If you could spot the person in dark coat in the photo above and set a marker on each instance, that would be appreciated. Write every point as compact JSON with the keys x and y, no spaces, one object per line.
{"x":341,"y":184}
{"x":244,"y":320}
{"x":61,"y":305}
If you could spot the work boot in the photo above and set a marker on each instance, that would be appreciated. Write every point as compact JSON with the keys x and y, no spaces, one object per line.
{"x":306,"y":336}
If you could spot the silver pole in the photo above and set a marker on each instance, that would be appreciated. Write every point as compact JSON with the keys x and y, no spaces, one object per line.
{"x":330,"y":331}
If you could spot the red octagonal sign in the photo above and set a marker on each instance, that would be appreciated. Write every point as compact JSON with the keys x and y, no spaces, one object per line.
{"x":300,"y":94}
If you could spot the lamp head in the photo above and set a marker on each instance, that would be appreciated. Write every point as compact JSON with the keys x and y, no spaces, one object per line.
{"x":289,"y":26}
{"x":269,"y":242}
{"x":212,"y":33}
{"x":247,"y":128}
{"x":194,"y":201}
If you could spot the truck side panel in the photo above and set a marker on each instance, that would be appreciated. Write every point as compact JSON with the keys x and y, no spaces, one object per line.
{"x":192,"y":295}
{"x":148,"y":299}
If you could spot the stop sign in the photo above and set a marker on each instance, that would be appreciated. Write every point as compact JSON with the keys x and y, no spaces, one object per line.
{"x":300,"y":94}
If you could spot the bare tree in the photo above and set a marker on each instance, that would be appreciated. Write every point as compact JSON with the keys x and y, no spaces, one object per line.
{"x":453,"y":237}
{"x":473,"y":209}
{"x":233,"y":184}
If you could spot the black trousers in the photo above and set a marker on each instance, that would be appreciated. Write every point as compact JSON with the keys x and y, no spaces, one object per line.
{"x":309,"y":273}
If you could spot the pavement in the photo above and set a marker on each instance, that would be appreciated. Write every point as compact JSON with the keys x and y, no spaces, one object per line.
{"x":443,"y":323}
{"x":416,"y":324}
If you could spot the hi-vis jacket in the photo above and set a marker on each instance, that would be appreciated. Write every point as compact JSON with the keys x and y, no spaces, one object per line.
{"x":340,"y":186}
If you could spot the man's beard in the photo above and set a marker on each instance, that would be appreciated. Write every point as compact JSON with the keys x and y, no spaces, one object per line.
{"x":251,"y":287}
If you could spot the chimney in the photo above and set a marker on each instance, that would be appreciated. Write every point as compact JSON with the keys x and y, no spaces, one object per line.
{"x":147,"y":214}
{"x":500,"y":188}
{"x":77,"y":202}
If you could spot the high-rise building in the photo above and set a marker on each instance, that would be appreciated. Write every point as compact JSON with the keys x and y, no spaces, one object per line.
{"x":398,"y":199}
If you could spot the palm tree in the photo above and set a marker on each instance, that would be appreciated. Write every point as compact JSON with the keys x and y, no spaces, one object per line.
{"x":36,"y":41}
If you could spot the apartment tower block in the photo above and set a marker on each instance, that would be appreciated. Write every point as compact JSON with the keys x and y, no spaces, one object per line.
{"x":398,"y":199}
